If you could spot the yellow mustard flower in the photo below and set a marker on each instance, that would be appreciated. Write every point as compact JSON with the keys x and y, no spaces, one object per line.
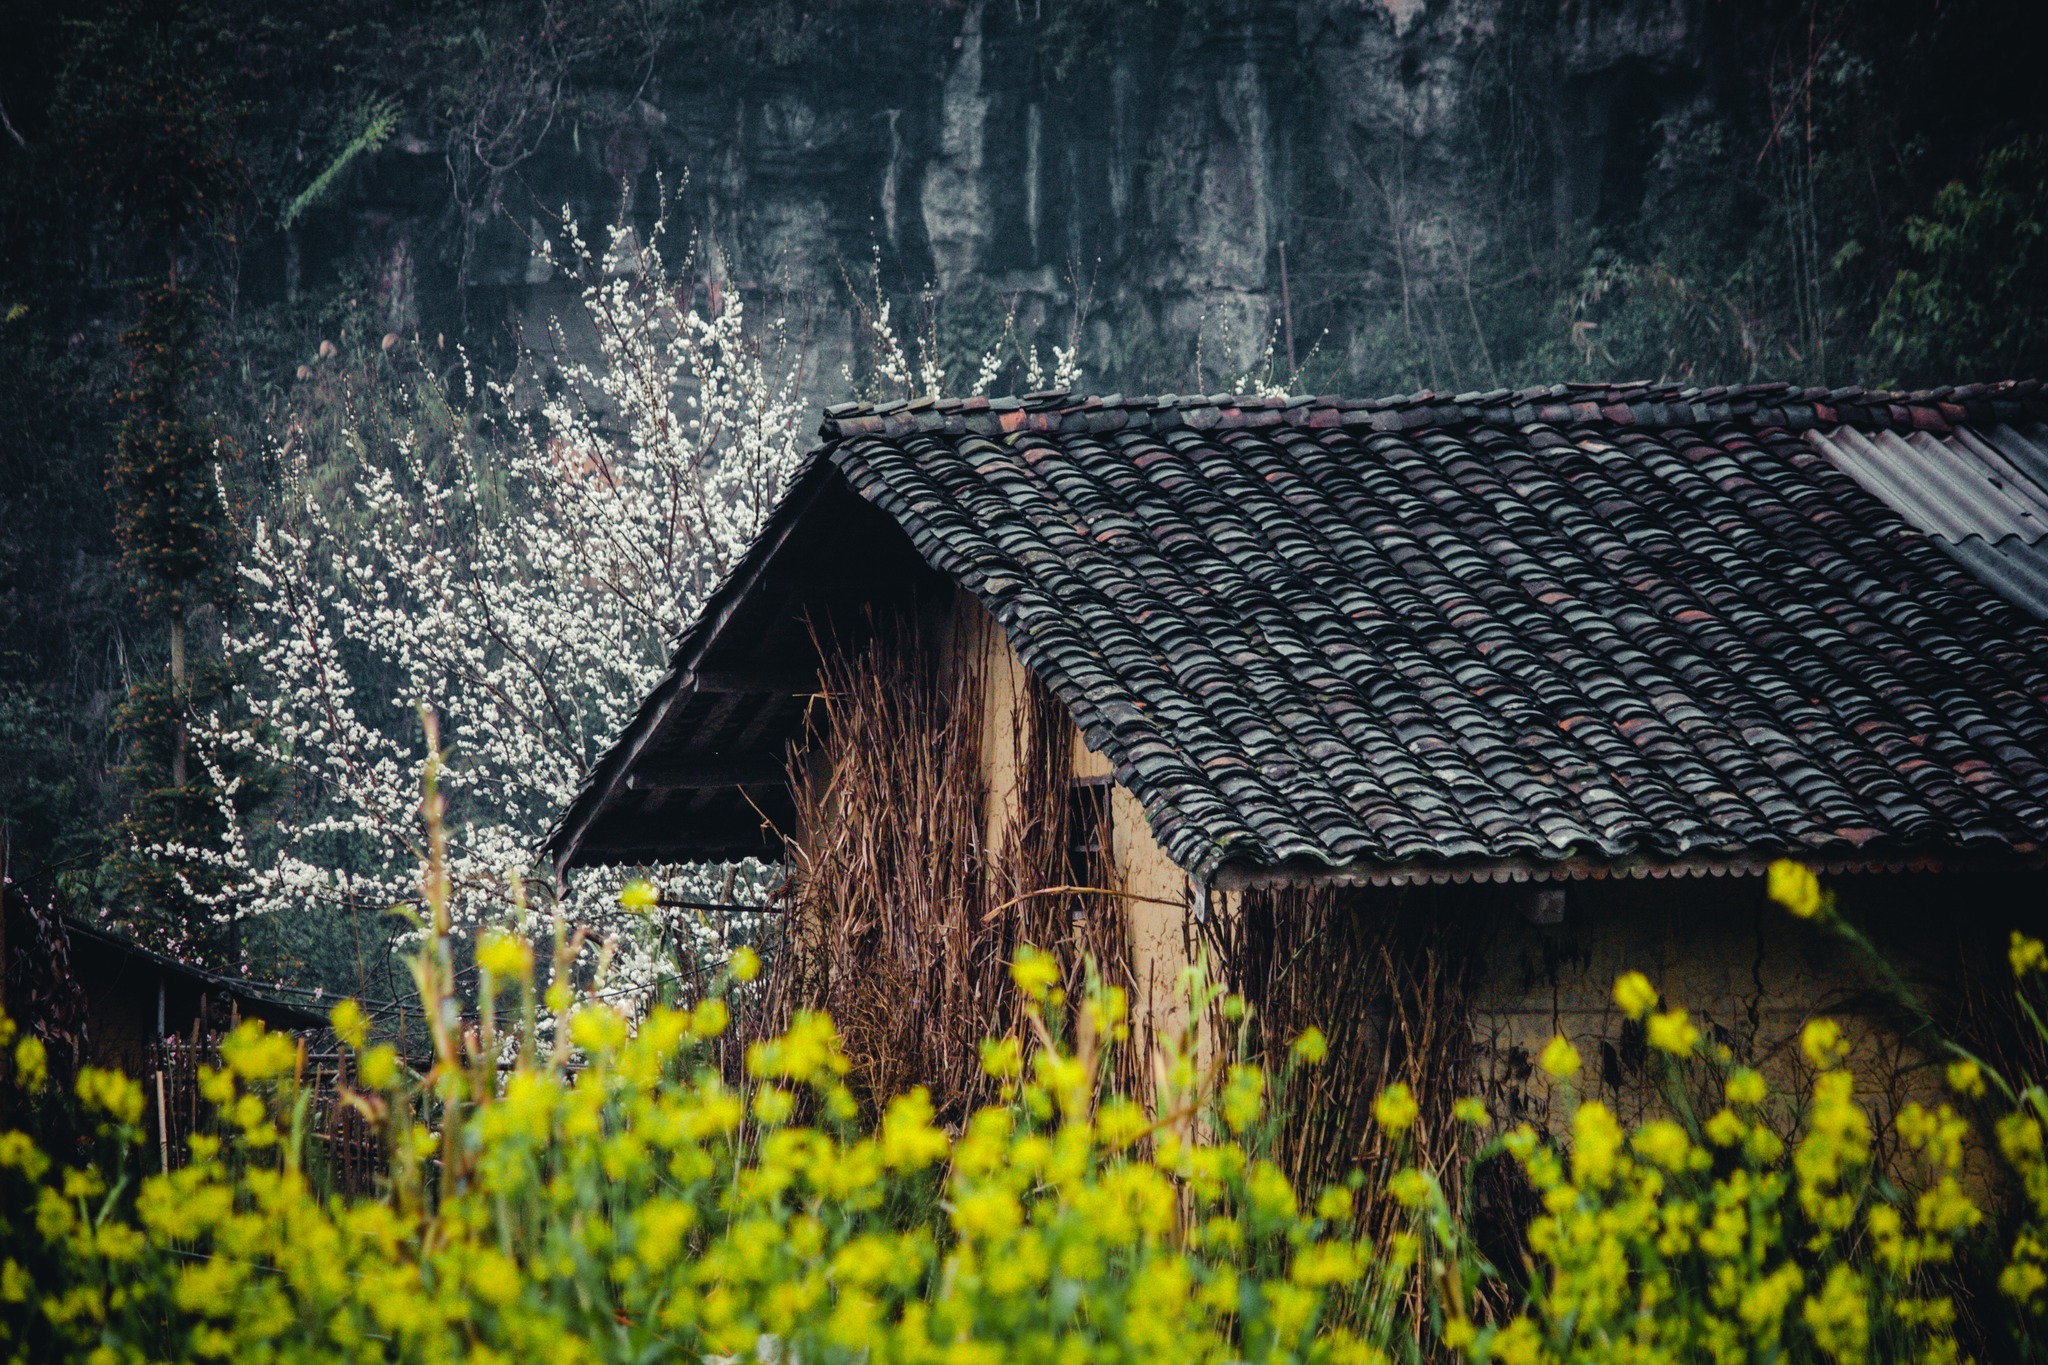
{"x":2027,"y":955}
{"x":709,"y":1018}
{"x":1746,"y":1087}
{"x":1634,"y":994}
{"x":1002,"y":1058}
{"x":1559,"y":1058}
{"x":350,"y":1024}
{"x":1663,"y":1143}
{"x":31,"y":1063}
{"x":1794,"y":886}
{"x":1725,"y":1129}
{"x":1822,"y":1042}
{"x":1034,"y":971}
{"x":1395,"y":1109}
{"x":505,"y":956}
{"x":111,"y":1093}
{"x":1673,"y":1032}
{"x":377,"y":1069}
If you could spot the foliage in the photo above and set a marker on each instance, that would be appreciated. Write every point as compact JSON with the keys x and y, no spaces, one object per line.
{"x":177,"y":801}
{"x":1764,"y":1230}
{"x":171,"y":521}
{"x":1977,"y":303}
{"x":369,"y":128}
{"x":170,"y":516}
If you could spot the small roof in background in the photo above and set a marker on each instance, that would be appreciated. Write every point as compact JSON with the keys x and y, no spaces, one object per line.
{"x":1566,"y":631}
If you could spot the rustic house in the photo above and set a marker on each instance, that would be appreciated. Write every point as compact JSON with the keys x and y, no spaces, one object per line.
{"x":1423,"y":717}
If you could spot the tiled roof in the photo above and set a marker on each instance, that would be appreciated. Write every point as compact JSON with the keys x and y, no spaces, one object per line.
{"x":1566,"y":624}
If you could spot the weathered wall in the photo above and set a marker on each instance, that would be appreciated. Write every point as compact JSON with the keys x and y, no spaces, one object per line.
{"x":1750,"y":975}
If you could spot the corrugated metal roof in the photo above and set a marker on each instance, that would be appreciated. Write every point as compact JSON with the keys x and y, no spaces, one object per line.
{"x":1981,"y":494}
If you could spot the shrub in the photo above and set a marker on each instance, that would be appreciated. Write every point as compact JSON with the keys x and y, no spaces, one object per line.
{"x":569,"y":1183}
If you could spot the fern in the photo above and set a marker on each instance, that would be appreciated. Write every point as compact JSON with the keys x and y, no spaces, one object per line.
{"x":375,"y":120}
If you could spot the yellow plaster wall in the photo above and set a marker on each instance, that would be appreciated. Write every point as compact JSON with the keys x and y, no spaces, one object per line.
{"x":1749,"y":974}
{"x":1158,"y":893}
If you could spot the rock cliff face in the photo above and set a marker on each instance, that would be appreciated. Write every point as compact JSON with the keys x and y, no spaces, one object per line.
{"x":1139,"y":170}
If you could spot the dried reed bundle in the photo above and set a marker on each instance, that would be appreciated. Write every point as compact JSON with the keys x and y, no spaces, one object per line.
{"x":1388,"y":979}
{"x":905,"y":904}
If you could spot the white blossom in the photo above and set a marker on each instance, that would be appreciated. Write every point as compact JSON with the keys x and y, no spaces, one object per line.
{"x":528,"y":587}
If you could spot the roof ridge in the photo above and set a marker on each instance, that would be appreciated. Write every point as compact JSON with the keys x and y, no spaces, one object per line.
{"x":1640,"y":404}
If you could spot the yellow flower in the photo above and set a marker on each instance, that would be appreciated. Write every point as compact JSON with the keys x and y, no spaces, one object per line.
{"x":773,"y":1105}
{"x":110,"y":1092}
{"x":2027,"y":955}
{"x":745,"y":964}
{"x":909,"y":1142}
{"x":1472,"y":1110}
{"x":710,"y":1017}
{"x":1822,"y":1042}
{"x":1395,"y":1109}
{"x":1672,"y":1032}
{"x":31,"y":1062}
{"x":1412,"y":1188}
{"x":1794,"y":886}
{"x":1002,"y":1058}
{"x":1966,"y":1078}
{"x":1634,"y":993}
{"x":1664,"y":1143}
{"x":639,"y":896}
{"x":1311,"y":1047}
{"x":1596,"y":1143}
{"x":256,"y":1053}
{"x":504,"y":956}
{"x":378,"y":1068}
{"x":1839,"y":1316}
{"x":494,"y":1278}
{"x":350,"y":1024}
{"x":1034,"y":971}
{"x":1746,"y":1087}
{"x":1724,"y":1129}
{"x":599,"y":1030}
{"x":1243,"y":1097}
{"x":1559,"y":1058}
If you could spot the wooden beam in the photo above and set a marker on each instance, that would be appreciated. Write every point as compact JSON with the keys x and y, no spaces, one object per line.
{"x":708,"y":776}
{"x":755,"y":682}
{"x":670,"y":849}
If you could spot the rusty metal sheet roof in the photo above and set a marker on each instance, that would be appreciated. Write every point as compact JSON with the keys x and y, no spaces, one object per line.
{"x":1979,"y":493}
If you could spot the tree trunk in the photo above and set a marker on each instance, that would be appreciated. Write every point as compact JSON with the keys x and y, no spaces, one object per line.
{"x":178,"y":693}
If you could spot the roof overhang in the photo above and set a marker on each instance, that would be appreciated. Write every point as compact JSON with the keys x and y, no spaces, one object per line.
{"x":701,"y":772}
{"x":1245,"y":877}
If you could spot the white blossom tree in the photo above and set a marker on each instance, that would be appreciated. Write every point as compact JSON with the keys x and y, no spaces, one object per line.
{"x":525,"y":574}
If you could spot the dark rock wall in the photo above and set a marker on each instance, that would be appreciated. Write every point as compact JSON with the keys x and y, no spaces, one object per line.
{"x":1145,"y":163}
